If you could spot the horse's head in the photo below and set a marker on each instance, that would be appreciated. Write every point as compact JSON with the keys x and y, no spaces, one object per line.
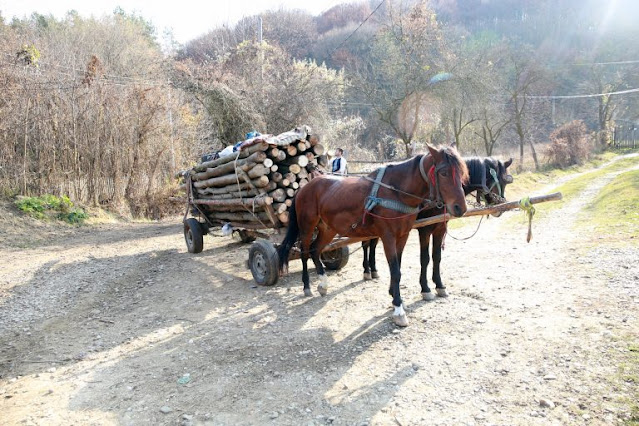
{"x":448,"y":175}
{"x":497,"y":177}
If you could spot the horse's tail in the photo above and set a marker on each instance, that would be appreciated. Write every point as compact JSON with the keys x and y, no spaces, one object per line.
{"x":292,"y":234}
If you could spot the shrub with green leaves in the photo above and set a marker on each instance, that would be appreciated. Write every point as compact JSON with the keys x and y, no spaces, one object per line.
{"x":50,"y":206}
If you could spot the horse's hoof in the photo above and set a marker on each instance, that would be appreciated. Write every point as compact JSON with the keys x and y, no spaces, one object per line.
{"x":441,"y":292}
{"x":400,"y":320}
{"x":322,"y":287}
{"x":428,"y":296}
{"x":367,"y":276}
{"x":308,"y":292}
{"x":374,"y":274}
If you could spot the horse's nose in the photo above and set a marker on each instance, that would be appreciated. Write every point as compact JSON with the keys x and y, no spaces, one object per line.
{"x":457,"y":210}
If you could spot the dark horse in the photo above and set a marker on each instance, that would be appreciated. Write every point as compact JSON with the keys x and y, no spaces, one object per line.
{"x":359,"y":208}
{"x":489,"y":177}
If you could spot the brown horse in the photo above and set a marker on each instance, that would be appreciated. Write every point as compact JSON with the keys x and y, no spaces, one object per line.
{"x":383,"y":204}
{"x":488,"y":177}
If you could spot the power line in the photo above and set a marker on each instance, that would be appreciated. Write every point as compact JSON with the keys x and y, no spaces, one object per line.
{"x":596,"y":95}
{"x":358,"y":27}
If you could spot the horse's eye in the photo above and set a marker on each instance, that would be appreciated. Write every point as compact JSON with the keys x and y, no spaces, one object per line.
{"x":444,"y":173}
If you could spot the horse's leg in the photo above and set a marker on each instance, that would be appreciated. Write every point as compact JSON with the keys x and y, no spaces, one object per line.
{"x":324,"y":236}
{"x":367,"y":271}
{"x":424,"y":258}
{"x":371,"y":257}
{"x":305,"y":243}
{"x":391,"y":245}
{"x":438,"y":237}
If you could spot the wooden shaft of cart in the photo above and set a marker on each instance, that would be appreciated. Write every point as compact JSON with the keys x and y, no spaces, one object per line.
{"x":345,"y":241}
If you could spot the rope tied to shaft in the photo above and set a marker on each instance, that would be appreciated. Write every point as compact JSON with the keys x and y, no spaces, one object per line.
{"x":526,"y":205}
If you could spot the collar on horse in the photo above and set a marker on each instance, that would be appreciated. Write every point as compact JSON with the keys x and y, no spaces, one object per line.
{"x":431,"y":178}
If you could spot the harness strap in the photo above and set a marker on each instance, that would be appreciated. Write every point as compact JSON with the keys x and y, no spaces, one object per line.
{"x":373,"y":200}
{"x":493,"y":173}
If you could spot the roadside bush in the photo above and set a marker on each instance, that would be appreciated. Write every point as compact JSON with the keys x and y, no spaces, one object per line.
{"x":569,"y":144}
{"x":49,"y":206}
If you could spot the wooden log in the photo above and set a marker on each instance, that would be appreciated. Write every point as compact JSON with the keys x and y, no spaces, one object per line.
{"x":313,"y":139}
{"x":288,"y":202}
{"x":292,"y":177}
{"x":278,"y":195}
{"x":293,"y":168}
{"x":283,"y":217}
{"x":224,"y":169}
{"x":310,"y":156}
{"x":238,"y":216}
{"x":303,"y":182}
{"x":303,"y":174}
{"x":256,"y":172}
{"x":232,"y":191}
{"x":204,"y":193}
{"x":295,"y":185}
{"x":291,"y":150}
{"x":276,"y":177}
{"x":273,"y":152}
{"x":301,"y":146}
{"x":274,"y":168}
{"x":260,"y":182}
{"x":243,"y":153}
{"x":268,"y":163}
{"x":318,"y":149}
{"x":300,"y":160}
{"x":284,"y":183}
{"x":279,"y":208}
{"x":246,"y":202}
{"x":281,"y":156}
{"x":290,"y":192}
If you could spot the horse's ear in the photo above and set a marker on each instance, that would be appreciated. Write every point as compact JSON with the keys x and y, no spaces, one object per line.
{"x":434,"y":152}
{"x":453,"y":144}
{"x":508,"y":163}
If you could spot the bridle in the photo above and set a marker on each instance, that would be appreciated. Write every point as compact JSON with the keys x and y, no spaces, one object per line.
{"x":432,"y":179}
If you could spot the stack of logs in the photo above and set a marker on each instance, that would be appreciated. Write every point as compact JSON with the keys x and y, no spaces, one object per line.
{"x":254,"y":190}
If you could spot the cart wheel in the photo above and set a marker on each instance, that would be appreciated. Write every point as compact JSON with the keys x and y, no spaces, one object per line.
{"x":193,"y":235}
{"x":246,"y":236}
{"x":264,"y":262}
{"x":335,"y":259}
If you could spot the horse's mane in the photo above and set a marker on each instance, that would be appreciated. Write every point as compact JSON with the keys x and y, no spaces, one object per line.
{"x":454,"y":159}
{"x":451,"y":156}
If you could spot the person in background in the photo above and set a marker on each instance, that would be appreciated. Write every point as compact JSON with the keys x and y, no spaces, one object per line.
{"x":338,"y":165}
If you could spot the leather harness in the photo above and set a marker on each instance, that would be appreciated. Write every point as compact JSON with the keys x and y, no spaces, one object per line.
{"x":431,"y":178}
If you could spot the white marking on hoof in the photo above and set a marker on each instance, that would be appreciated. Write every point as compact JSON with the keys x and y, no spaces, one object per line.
{"x":322,"y":287}
{"x":308,"y":292}
{"x":399,"y":316}
{"x":367,"y":276}
{"x":374,"y":274}
{"x":441,"y":292}
{"x":428,"y":296}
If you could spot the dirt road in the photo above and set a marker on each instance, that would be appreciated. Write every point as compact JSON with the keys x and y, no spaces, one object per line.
{"x":117,"y":324}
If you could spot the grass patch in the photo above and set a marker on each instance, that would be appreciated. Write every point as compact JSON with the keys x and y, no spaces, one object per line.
{"x":528,"y":182}
{"x":628,"y":375}
{"x":47,"y":207}
{"x":614,"y":213}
